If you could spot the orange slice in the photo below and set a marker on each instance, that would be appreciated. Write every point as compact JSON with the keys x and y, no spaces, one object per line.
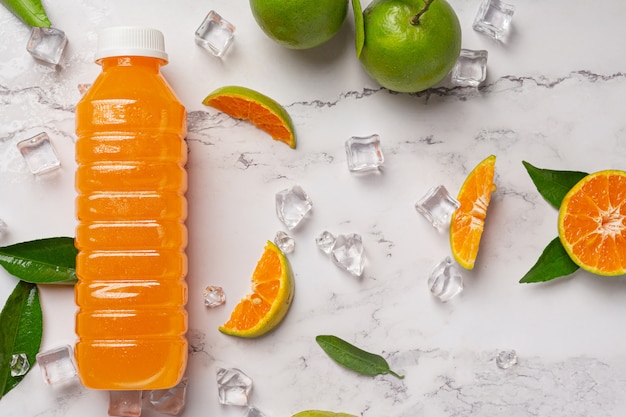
{"x":259,"y":109}
{"x":592,"y":223}
{"x":272,"y":292}
{"x":468,"y":221}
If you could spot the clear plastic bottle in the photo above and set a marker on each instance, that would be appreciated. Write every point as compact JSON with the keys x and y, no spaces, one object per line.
{"x":131,"y":209}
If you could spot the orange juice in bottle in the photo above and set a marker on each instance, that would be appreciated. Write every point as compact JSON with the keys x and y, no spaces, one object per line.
{"x":131,"y":293}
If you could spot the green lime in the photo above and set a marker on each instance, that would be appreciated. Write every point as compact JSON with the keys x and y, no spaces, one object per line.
{"x":300,"y":24}
{"x":410,"y":45}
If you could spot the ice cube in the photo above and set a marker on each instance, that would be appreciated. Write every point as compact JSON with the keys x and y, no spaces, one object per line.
{"x":252,"y":411}
{"x":445,"y":281}
{"x":494,"y":18}
{"x":233,"y":386}
{"x":57,"y":365}
{"x":470,"y":69}
{"x":215,"y":34}
{"x":506,"y":359}
{"x":125,"y":403}
{"x":46,"y":45}
{"x":169,"y":401}
{"x":214,"y":296}
{"x":39,"y":154}
{"x":19,"y":364}
{"x":325,"y":241}
{"x":348,"y":254}
{"x":437,"y":206}
{"x":292,"y":205}
{"x":285,"y":242}
{"x":364,"y":153}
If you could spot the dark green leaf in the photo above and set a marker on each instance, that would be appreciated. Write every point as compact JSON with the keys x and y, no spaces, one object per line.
{"x":359,"y":27}
{"x":554,"y":262}
{"x":20,"y":331}
{"x":354,"y":358}
{"x":43,"y":261}
{"x":30,"y":11}
{"x":553,"y":185}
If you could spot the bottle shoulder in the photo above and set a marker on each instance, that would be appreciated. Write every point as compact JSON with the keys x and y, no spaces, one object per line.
{"x":131,"y":97}
{"x":131,"y":83}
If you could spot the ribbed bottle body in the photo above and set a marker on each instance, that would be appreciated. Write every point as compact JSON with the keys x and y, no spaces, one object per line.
{"x":131,"y":235}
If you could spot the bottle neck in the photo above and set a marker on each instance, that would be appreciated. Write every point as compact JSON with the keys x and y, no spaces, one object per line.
{"x":151,"y":63}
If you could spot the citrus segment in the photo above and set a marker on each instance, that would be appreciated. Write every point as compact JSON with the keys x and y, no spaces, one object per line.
{"x":468,"y":221}
{"x":267,"y":304}
{"x":592,"y":223}
{"x":247,"y":104}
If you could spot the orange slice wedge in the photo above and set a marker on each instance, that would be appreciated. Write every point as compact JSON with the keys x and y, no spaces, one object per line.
{"x":592,"y":223}
{"x":268,"y":303}
{"x":262,"y":111}
{"x":468,"y":221}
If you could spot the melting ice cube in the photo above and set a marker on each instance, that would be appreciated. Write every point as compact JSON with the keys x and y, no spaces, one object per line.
{"x":169,"y":401}
{"x":445,"y":281}
{"x":494,"y":18}
{"x":39,"y":154}
{"x":233,"y":386}
{"x":46,"y":45}
{"x":347,"y":253}
{"x":215,"y":34}
{"x":364,"y":153}
{"x":506,"y":359}
{"x":470,"y":69}
{"x":57,"y":365}
{"x":285,"y":242}
{"x":437,"y":206}
{"x":292,"y":205}
{"x":214,"y":296}
{"x":325,"y":241}
{"x":19,"y":364}
{"x":125,"y":403}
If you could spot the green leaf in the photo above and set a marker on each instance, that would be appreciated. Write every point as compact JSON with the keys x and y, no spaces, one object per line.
{"x":21,"y":327}
{"x":30,"y":11}
{"x":359,"y":27}
{"x":554,"y":262}
{"x":353,"y":358}
{"x":553,"y":185}
{"x":43,"y":261}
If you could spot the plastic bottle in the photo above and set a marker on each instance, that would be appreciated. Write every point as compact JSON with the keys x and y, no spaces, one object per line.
{"x":131,"y":209}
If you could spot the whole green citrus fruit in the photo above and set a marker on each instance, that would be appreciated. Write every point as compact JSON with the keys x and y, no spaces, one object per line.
{"x":410,"y":45}
{"x":300,"y":24}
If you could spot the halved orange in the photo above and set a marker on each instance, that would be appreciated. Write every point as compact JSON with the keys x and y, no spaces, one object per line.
{"x":592,"y":223}
{"x":247,"y":104}
{"x":267,"y":304}
{"x":468,"y":221}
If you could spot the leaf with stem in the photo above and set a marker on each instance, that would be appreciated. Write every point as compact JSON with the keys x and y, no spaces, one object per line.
{"x":353,"y":358}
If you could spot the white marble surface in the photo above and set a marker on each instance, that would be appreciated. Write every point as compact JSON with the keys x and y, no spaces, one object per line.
{"x":554,"y":97}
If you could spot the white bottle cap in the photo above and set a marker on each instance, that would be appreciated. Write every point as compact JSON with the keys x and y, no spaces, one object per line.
{"x":130,"y":41}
